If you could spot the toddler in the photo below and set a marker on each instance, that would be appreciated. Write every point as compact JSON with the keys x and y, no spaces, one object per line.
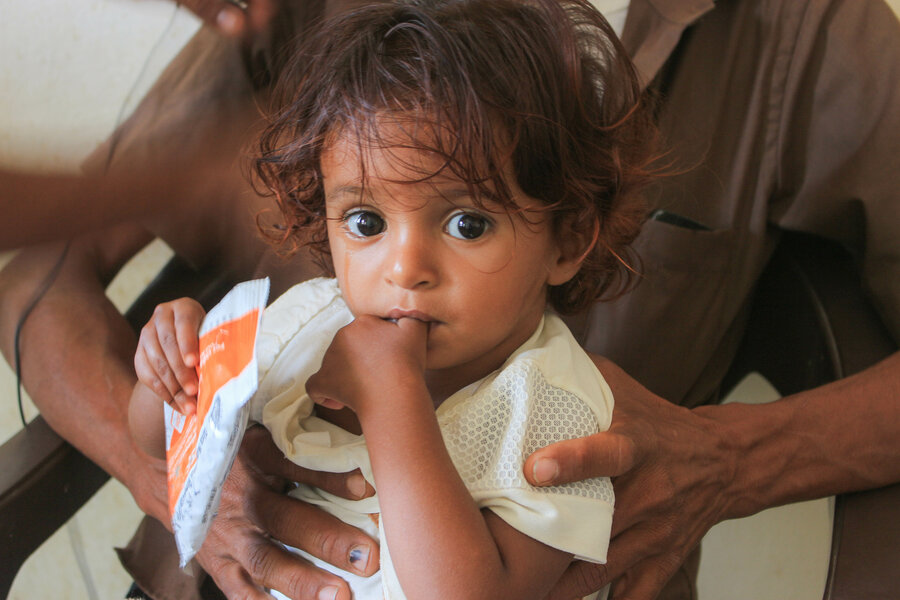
{"x":461,"y":168}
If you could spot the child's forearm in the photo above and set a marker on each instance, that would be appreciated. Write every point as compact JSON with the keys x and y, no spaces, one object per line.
{"x":440,"y":542}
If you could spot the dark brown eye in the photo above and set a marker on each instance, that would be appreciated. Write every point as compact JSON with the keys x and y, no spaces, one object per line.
{"x":364,"y":223}
{"x":467,"y":226}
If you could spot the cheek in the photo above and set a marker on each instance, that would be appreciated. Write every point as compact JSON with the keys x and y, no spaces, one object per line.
{"x":490,"y":258}
{"x":356,"y":277}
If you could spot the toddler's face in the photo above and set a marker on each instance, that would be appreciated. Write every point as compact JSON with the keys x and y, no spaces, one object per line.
{"x":425,"y":250}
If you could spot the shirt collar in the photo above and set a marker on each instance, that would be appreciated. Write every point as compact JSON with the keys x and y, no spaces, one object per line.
{"x":653,"y":29}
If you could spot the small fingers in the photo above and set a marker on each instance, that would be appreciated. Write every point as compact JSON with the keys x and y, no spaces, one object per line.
{"x":177,"y":327}
{"x":603,"y":454}
{"x":187,"y":328}
{"x":148,"y":362}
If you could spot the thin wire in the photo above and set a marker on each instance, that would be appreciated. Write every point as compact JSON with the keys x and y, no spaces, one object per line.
{"x":54,"y":271}
{"x":114,"y":142}
{"x":45,"y":285}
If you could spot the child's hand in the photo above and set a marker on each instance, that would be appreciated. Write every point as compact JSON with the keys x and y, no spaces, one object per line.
{"x":366,"y":359}
{"x":168,"y":353}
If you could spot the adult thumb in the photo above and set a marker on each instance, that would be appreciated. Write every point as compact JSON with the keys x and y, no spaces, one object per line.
{"x":602,"y":454}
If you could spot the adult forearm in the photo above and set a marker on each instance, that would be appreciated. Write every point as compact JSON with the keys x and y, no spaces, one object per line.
{"x":76,"y":354}
{"x":837,"y":438}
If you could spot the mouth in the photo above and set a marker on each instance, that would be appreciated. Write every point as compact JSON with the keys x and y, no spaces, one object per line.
{"x":399,"y":313}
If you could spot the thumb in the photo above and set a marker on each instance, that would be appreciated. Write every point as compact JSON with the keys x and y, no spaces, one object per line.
{"x":602,"y":454}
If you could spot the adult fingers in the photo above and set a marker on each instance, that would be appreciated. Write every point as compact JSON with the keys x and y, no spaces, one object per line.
{"x":579,"y":580}
{"x":259,"y":13}
{"x":635,"y":546}
{"x":602,"y":454}
{"x":324,"y":536}
{"x":646,"y":580}
{"x":235,"y":582}
{"x":266,"y":456}
{"x":225,"y":16}
{"x":234,"y":18}
{"x":263,"y":564}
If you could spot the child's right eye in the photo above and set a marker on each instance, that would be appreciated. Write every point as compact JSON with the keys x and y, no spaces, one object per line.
{"x":364,"y":223}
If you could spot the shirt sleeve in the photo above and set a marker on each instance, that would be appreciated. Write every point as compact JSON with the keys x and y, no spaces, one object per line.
{"x":839,"y":141}
{"x":296,"y":331}
{"x":531,"y":403}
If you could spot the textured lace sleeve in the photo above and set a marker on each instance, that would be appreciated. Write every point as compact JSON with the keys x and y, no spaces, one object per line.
{"x":490,"y":433}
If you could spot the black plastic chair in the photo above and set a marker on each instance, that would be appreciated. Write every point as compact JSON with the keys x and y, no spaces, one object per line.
{"x":810,"y":323}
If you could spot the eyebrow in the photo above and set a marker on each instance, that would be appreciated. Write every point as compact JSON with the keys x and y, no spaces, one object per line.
{"x":452,"y":192}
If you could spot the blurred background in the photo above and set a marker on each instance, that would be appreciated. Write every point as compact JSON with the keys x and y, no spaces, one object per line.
{"x":70,"y":71}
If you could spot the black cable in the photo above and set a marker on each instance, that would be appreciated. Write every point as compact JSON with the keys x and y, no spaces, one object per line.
{"x":38,"y":295}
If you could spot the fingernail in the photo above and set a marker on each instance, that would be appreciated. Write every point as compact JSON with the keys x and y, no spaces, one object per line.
{"x":545,"y":470}
{"x":327,"y":593}
{"x":356,"y":485}
{"x":359,"y":558}
{"x":228,"y":22}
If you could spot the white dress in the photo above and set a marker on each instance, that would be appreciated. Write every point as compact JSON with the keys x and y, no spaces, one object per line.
{"x":548,"y":390}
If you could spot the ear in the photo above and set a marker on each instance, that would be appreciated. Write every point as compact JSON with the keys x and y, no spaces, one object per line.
{"x":572,"y":248}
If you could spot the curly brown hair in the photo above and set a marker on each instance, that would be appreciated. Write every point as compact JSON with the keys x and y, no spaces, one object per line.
{"x":543,"y":83}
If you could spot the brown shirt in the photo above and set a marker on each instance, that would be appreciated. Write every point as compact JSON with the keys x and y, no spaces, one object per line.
{"x":784,"y":114}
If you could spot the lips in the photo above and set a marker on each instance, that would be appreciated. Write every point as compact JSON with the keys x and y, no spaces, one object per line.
{"x":400,"y":313}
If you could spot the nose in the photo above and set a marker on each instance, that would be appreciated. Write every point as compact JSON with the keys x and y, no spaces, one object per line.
{"x":412,"y":263}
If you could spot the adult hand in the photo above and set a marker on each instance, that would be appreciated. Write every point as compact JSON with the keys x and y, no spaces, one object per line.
{"x":670,"y":467}
{"x":236,"y":18}
{"x":240,"y":553}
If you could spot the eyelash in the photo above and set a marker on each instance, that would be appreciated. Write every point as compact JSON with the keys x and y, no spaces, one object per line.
{"x":488,"y":224}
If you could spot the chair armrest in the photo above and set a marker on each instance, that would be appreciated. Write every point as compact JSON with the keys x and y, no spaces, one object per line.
{"x":865,"y":544}
{"x":43,"y":479}
{"x":810,"y":323}
{"x":43,"y":482}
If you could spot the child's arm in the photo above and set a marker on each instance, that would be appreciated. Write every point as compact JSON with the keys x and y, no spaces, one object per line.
{"x":442,"y":545}
{"x":167,"y":353}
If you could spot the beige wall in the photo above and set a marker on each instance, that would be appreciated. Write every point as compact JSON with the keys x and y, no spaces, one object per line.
{"x":67,"y":67}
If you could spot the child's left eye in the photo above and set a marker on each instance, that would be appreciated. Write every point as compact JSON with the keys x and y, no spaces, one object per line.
{"x":466,"y":226}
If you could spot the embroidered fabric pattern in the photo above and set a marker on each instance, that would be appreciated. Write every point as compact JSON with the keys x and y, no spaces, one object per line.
{"x":490,"y":435}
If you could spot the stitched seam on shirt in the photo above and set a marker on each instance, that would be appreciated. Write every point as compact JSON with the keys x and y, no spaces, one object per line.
{"x":777,"y":94}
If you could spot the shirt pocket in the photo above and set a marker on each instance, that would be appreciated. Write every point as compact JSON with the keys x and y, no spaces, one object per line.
{"x":665,"y":330}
